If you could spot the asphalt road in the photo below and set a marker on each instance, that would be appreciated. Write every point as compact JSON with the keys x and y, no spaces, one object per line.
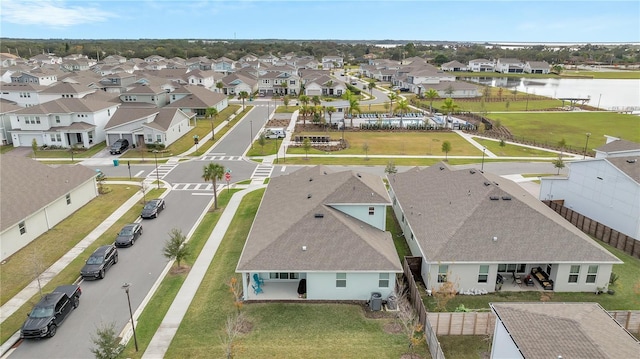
{"x":104,"y":301}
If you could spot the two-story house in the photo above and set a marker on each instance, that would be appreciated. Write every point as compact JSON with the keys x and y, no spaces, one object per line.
{"x":506,"y":65}
{"x":481,"y":65}
{"x":537,"y":67}
{"x":332,"y":62}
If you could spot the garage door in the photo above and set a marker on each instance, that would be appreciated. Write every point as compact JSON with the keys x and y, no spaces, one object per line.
{"x":111,"y":138}
{"x":26,"y":139}
{"x":129,"y":137}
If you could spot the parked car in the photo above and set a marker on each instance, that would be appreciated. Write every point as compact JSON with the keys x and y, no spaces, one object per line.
{"x":128,"y":235}
{"x":99,"y":262}
{"x":50,"y":312}
{"x":152,"y":208}
{"x":119,"y":146}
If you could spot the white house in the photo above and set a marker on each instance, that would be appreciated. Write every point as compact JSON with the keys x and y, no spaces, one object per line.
{"x":324,"y":227}
{"x":196,"y":99}
{"x":616,"y":147}
{"x":537,"y":67}
{"x":332,"y":62}
{"x":36,"y":197}
{"x":481,"y":65}
{"x":235,"y":83}
{"x":22,"y":94}
{"x":559,"y":330}
{"x":505,"y":65}
{"x":453,"y":66}
{"x":470,"y":227}
{"x":5,"y":121}
{"x":149,"y":125}
{"x":64,"y":122}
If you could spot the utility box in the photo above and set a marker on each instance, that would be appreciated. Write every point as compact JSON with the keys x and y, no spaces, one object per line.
{"x":392,"y":302}
{"x":375,"y":303}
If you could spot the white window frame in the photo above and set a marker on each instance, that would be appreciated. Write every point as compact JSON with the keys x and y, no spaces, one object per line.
{"x":574,"y":273}
{"x":443,"y":269}
{"x":483,"y":273}
{"x":383,"y":280}
{"x":341,"y":280}
{"x":592,"y":276}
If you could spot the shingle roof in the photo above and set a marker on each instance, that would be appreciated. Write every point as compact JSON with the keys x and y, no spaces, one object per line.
{"x":619,"y":146}
{"x":126,"y":114}
{"x":286,"y":221}
{"x":629,"y":165}
{"x":27,"y":185}
{"x":453,"y":218}
{"x":66,"y":105}
{"x":166,"y":118}
{"x":199,"y":97}
{"x":572,"y":330}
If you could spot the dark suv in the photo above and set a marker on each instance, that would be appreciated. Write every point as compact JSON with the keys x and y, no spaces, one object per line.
{"x":99,"y":262}
{"x":119,"y":146}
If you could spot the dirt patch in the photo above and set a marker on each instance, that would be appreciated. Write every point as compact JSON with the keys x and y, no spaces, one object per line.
{"x":175,"y":270}
{"x":379,"y":314}
{"x":278,"y":123}
{"x":392,"y":328}
{"x":410,"y":356}
{"x":245,"y":327}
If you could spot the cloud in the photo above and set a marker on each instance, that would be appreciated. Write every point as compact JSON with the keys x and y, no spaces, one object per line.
{"x":55,"y":14}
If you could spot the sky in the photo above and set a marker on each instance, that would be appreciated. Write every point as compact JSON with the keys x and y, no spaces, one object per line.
{"x":547,"y":21}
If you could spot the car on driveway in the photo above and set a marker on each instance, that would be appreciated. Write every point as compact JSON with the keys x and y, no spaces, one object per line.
{"x":50,"y":312}
{"x":119,"y":146}
{"x":152,"y":208}
{"x":99,"y":262}
{"x":128,"y":235}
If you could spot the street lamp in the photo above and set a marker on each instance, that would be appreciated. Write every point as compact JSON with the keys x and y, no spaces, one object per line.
{"x":276,"y":148}
{"x":251,"y":133}
{"x":135,"y":339}
{"x":482,"y":166}
{"x":585,"y":146}
{"x":155,"y":154}
{"x":343,"y":126}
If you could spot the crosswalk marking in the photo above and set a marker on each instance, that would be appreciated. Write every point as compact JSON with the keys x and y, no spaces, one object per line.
{"x":195,"y":186}
{"x":221,"y":158}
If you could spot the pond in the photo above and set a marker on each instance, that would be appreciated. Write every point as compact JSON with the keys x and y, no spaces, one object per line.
{"x":608,"y":94}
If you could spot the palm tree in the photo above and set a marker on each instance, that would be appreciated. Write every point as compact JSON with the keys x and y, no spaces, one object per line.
{"x":431,"y":95}
{"x":403,"y":107}
{"x":330,"y":110}
{"x":392,"y":97}
{"x":304,"y":99}
{"x":371,"y":85}
{"x":316,"y":100}
{"x":213,"y":172}
{"x":304,"y":110}
{"x":219,"y":86}
{"x":449,"y":106}
{"x":353,"y":107}
{"x":211,"y":113}
{"x":243,"y":95}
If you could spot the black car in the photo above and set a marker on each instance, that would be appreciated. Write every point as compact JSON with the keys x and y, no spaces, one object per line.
{"x":128,"y":235}
{"x":119,"y":146}
{"x":152,"y":208}
{"x":99,"y":262}
{"x":50,"y":312}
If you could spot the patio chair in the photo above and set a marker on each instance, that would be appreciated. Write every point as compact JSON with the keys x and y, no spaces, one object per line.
{"x":256,"y":289}
{"x":259,"y":281}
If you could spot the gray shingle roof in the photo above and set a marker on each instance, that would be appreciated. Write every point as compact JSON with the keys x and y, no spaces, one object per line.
{"x":573,"y":330}
{"x":286,"y":221}
{"x":27,"y":185}
{"x":619,"y":146}
{"x":67,"y":105}
{"x":629,"y":165}
{"x":454,"y":219}
{"x":199,"y":97}
{"x":126,"y":114}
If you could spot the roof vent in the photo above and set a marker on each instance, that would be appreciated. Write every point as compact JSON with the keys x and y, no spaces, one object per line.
{"x":496,"y":183}
{"x":441,"y":168}
{"x":318,"y":215}
{"x":472,"y":171}
{"x":304,"y":248}
{"x":506,"y":198}
{"x":310,"y":179}
{"x":494,"y":198}
{"x":325,"y":172}
{"x":309,"y":195}
{"x":487,"y":183}
{"x":632,"y":161}
{"x":358,"y":174}
{"x":495,"y":239}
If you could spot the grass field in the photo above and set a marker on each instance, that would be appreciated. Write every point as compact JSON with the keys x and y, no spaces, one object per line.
{"x":551,"y":128}
{"x":66,"y":154}
{"x":510,"y":150}
{"x":74,"y":229}
{"x":603,"y":74}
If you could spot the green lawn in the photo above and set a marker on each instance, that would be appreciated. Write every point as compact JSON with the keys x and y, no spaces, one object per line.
{"x":602,"y":74}
{"x":67,"y":154}
{"x":361,"y":161}
{"x":551,"y":128}
{"x":6,"y":148}
{"x":510,"y":150}
{"x":74,"y":229}
{"x":465,"y":346}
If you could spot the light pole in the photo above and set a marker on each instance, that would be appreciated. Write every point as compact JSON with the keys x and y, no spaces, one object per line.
{"x":276,"y":148}
{"x":482,"y":166}
{"x":251,"y":133}
{"x":599,"y":98}
{"x":135,"y":339}
{"x":155,"y":154}
{"x":585,"y":146}
{"x":343,"y":126}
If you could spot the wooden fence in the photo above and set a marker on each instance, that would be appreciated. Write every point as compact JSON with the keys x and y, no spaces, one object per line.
{"x":418,"y":305}
{"x":598,"y":230}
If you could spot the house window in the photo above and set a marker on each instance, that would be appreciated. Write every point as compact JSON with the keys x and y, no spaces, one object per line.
{"x":57,"y":119}
{"x":22,"y":227}
{"x":509,"y":268}
{"x":158,"y":138}
{"x":592,"y":273}
{"x":68,"y":198}
{"x":483,"y":274}
{"x":58,"y":137}
{"x":283,"y":276}
{"x":149,"y":138}
{"x":38,"y":119}
{"x":292,"y":82}
{"x":341,"y":280}
{"x":442,"y":273}
{"x":383,"y":280}
{"x":574,"y":272}
{"x":372,"y":211}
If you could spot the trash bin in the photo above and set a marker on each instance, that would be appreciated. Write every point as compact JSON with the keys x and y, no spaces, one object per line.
{"x":375,"y":303}
{"x":116,"y":162}
{"x":392,"y":302}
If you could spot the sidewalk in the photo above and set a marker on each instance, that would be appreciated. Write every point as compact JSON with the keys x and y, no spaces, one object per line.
{"x":167,"y":330}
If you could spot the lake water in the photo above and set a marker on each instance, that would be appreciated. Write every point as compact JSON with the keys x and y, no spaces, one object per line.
{"x":603,"y":93}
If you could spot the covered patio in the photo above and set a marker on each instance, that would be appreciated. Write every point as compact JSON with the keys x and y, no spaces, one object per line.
{"x":275,"y":290}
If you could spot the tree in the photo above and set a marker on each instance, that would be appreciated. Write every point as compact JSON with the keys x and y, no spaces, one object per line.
{"x":285,"y":100}
{"x":558,"y":163}
{"x":262,"y":140}
{"x":431,"y":94}
{"x":449,"y":90}
{"x":219,"y":86}
{"x":176,"y":247}
{"x":446,"y":147}
{"x":407,"y":316}
{"x":500,"y":93}
{"x":213,"y":172}
{"x":232,"y":329}
{"x":304,"y":99}
{"x":34,"y":147}
{"x":449,"y":106}
{"x":304,"y":110}
{"x":392,"y":97}
{"x":502,"y":143}
{"x":235,"y":287}
{"x":557,"y":69}
{"x":243,"y":95}
{"x":403,"y":107}
{"x":106,"y":342}
{"x":391,"y":168}
{"x":365,"y":148}
{"x":306,"y":146}
{"x":316,"y":100}
{"x":330,"y":110}
{"x":562,"y":144}
{"x":507,"y":104}
{"x":444,"y":294}
{"x":371,"y":86}
{"x":515,"y":93}
{"x":211,"y":113}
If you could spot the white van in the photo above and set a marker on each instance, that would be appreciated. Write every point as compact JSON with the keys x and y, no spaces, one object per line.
{"x":274,"y":133}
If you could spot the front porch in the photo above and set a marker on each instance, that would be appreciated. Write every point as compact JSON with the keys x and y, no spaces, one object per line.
{"x":275,"y":290}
